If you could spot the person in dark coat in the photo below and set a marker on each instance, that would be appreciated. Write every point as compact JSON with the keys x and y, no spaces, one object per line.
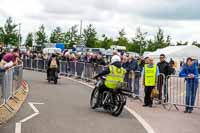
{"x":164,"y":69}
{"x":132,"y":68}
{"x":137,"y":78}
{"x":125,"y":65}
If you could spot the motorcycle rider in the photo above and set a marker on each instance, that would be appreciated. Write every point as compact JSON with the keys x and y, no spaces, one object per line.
{"x":53,"y":65}
{"x":115,"y":75}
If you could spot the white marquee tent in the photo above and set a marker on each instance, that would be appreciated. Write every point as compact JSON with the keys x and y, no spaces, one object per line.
{"x":178,"y":52}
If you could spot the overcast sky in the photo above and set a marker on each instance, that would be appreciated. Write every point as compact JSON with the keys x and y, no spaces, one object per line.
{"x":178,"y":18}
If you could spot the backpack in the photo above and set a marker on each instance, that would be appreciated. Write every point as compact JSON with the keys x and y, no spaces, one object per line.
{"x":53,"y":64}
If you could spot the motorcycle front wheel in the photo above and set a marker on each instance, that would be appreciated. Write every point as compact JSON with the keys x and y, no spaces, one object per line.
{"x":118,"y":104}
{"x":93,"y":98}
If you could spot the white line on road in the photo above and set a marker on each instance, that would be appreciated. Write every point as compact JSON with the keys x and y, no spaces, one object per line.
{"x":147,"y":127}
{"x":33,"y":107}
{"x":19,"y":124}
{"x":18,"y":127}
{"x":29,"y":117}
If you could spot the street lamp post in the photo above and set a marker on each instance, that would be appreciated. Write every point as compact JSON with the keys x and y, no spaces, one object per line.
{"x":81,"y":27}
{"x":19,"y":39}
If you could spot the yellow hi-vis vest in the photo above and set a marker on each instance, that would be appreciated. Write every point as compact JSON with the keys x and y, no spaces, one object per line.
{"x":150,"y":75}
{"x":115,"y":77}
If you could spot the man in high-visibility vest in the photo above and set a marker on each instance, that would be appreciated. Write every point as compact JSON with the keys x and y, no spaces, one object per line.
{"x":114,"y":76}
{"x":150,"y":74}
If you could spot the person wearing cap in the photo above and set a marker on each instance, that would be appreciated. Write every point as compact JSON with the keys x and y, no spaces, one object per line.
{"x":114,"y":75}
{"x":190,"y":72}
{"x":150,"y":74}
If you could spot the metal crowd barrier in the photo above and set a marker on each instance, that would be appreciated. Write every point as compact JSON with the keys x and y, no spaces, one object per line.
{"x":10,"y":82}
{"x":87,"y":71}
{"x":136,"y":84}
{"x":183,"y":92}
{"x":172,"y":89}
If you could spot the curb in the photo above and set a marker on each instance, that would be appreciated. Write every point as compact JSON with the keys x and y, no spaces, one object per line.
{"x":24,"y":91}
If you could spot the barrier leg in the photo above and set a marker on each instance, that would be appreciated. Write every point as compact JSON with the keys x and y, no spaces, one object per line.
{"x":173,"y":105}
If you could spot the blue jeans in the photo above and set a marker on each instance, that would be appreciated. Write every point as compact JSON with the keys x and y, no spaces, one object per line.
{"x":191,"y":89}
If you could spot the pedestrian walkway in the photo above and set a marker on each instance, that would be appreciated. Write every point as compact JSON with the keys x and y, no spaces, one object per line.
{"x":164,"y":121}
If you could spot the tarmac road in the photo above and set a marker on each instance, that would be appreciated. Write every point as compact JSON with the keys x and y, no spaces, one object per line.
{"x":66,"y":110}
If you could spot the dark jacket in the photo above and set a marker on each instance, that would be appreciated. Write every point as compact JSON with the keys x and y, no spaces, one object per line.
{"x":100,"y":62}
{"x":126,"y":66}
{"x":107,"y":71}
{"x":164,"y":67}
{"x":133,"y":65}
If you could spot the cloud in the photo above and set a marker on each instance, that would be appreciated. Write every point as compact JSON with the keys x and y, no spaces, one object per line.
{"x":20,"y":8}
{"x":162,"y":9}
{"x":178,"y":18}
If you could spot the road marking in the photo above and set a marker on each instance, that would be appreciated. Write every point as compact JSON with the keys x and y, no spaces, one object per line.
{"x":18,"y":127}
{"x":29,"y":117}
{"x":19,"y":124}
{"x":147,"y":127}
{"x":33,"y":107}
{"x":83,"y":83}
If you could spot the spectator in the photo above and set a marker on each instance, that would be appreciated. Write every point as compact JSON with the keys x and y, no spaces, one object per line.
{"x":146,"y":60}
{"x":100,"y":60}
{"x":93,"y":58}
{"x":132,"y":68}
{"x":125,"y":65}
{"x":190,"y":72}
{"x":80,"y":65}
{"x":171,"y":62}
{"x":11,"y":59}
{"x":2,"y":52}
{"x":150,"y":74}
{"x":137,"y":78}
{"x":164,"y":68}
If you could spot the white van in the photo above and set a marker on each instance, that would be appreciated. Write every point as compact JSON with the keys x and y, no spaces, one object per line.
{"x":51,"y":50}
{"x":118,"y":48}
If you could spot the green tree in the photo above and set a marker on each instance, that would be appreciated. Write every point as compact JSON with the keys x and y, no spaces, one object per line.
{"x":106,"y":42}
{"x":196,"y":43}
{"x":71,"y":37}
{"x":181,"y":43}
{"x":139,"y":42}
{"x":40,"y":36}
{"x":9,"y":33}
{"x":57,"y":36}
{"x":89,"y":36}
{"x":159,"y":41}
{"x":29,"y":40}
{"x":122,"y":40}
